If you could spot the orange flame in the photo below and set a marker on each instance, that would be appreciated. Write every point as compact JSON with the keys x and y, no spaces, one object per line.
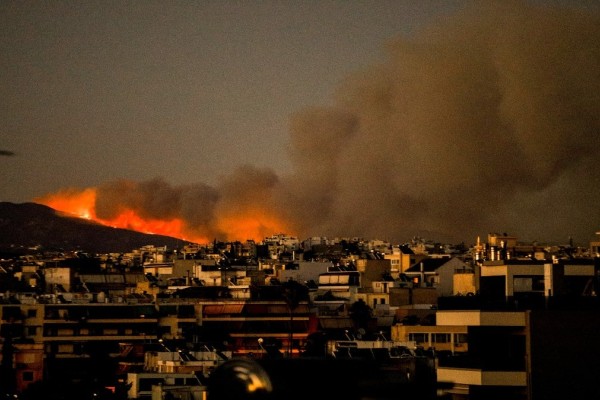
{"x":254,"y":225}
{"x":82,"y":204}
{"x":128,"y":219}
{"x":79,"y":203}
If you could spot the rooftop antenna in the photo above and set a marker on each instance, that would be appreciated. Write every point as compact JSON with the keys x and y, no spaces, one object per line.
{"x":347,"y":335}
{"x":162,"y":343}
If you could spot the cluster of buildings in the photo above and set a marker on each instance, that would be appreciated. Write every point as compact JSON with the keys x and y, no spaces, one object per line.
{"x":499,"y":320}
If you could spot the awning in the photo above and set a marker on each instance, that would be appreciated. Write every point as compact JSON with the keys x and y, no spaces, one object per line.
{"x":217,"y":309}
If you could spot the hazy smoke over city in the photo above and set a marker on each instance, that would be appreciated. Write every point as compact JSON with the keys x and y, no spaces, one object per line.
{"x":484,"y":122}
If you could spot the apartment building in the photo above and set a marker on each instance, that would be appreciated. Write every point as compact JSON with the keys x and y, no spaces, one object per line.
{"x":530,"y":354}
{"x":439,"y":272}
{"x":440,"y":338}
{"x":530,"y":332}
{"x":533,"y":280}
{"x":496,"y":363}
{"x":54,"y":340}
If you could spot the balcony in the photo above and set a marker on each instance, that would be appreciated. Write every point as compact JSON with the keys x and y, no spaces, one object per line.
{"x":468,"y":376}
{"x":490,"y":363}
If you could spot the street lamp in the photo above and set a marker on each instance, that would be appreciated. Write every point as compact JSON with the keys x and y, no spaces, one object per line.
{"x":262,"y":349}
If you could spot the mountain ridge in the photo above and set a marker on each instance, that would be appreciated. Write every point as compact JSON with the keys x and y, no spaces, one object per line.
{"x":30,"y":225}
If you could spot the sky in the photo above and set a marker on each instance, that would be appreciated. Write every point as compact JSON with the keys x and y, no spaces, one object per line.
{"x":240,"y":119}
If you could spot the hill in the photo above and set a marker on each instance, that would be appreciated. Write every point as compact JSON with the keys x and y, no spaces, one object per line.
{"x":29,"y":225}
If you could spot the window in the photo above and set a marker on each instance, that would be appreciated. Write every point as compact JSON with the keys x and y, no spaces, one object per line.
{"x":31,"y":313}
{"x":538,"y":283}
{"x":65,"y":348}
{"x":460,"y":338}
{"x":522,"y":284}
{"x":28,"y":358}
{"x":27,"y":376}
{"x":11,"y":313}
{"x":441,"y":337}
{"x":146,"y":383}
{"x":419,"y":337}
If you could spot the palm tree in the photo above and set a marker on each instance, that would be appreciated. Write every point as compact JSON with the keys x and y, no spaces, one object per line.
{"x":293,"y":293}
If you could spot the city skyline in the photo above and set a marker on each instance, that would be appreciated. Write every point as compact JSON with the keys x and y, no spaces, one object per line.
{"x":385,"y":119}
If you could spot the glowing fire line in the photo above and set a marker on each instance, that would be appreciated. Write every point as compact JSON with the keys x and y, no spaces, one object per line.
{"x":82,"y":204}
{"x":254,"y":223}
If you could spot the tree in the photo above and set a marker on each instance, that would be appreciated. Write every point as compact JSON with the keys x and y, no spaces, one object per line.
{"x":293,"y":293}
{"x":361,"y":314}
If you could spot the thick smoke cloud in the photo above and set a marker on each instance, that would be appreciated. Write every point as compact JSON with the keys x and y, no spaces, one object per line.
{"x":487,"y":121}
{"x":156,"y":199}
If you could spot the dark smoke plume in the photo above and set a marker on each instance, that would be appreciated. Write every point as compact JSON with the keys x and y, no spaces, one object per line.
{"x":486,"y":121}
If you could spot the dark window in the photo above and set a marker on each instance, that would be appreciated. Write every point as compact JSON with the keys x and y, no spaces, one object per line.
{"x":460,"y":338}
{"x":419,"y":337}
{"x":146,"y":384}
{"x":27,"y":376}
{"x":441,"y":337}
{"x":537,"y":283}
{"x":10,"y":313}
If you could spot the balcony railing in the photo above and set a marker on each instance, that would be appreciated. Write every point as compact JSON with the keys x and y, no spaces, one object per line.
{"x":485,"y":364}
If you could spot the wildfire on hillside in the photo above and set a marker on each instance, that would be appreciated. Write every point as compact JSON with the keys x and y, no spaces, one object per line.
{"x":463,"y":126}
{"x":250,"y":223}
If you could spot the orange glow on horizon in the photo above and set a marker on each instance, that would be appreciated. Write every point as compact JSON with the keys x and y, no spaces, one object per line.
{"x":128,"y":219}
{"x":252,"y":225}
{"x":82,"y":204}
{"x":79,"y":203}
